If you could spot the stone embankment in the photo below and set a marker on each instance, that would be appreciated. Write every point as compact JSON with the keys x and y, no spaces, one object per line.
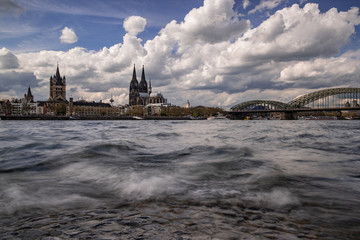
{"x":97,"y":118}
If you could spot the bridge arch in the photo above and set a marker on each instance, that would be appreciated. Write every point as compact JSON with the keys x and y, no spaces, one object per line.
{"x":259,"y":105}
{"x":331,"y":97}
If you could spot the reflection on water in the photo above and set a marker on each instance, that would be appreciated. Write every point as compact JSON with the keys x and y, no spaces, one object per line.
{"x":180,"y":179}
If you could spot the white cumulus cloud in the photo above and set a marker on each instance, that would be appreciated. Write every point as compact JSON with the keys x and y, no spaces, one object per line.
{"x":134,"y":25}
{"x":68,"y":36}
{"x":214,"y":22}
{"x":286,"y":36}
{"x":324,"y":71}
{"x":8,"y":60}
{"x":246,"y":3}
{"x":266,"y":5}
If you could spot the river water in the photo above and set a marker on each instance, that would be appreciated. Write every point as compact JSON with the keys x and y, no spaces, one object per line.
{"x":180,"y":179}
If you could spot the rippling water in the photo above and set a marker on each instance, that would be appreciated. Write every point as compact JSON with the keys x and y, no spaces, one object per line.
{"x":180,"y":179}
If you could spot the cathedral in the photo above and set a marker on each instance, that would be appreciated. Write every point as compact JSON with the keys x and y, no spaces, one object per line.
{"x":141,"y":93}
{"x":57,"y":87}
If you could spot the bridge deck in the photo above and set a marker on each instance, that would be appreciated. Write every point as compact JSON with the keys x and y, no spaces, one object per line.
{"x":296,"y":110}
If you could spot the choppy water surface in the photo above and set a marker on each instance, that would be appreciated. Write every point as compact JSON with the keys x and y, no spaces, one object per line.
{"x":180,"y":179}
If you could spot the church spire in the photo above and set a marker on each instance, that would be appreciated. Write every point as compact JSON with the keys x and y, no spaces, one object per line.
{"x":29,"y":92}
{"x":58,"y":72}
{"x":143,"y":84}
{"x":58,"y":77}
{"x":29,"y":97}
{"x":134,"y":90}
{"x":134,"y":75}
{"x":143,"y":74}
{"x":150,"y":90}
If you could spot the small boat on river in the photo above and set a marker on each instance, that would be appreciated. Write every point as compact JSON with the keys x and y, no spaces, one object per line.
{"x":218,"y":116}
{"x":317,"y":118}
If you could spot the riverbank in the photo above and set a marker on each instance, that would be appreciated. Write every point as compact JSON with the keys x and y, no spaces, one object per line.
{"x":98,"y":118}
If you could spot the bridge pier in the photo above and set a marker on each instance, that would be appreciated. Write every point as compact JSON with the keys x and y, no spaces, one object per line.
{"x":288,"y":116}
{"x":293,"y":114}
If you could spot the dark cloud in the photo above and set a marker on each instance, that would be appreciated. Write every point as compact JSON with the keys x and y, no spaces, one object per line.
{"x":83,"y":75}
{"x":217,"y":34}
{"x":115,"y":67}
{"x":10,"y":7}
{"x":17,"y":81}
{"x":99,"y":87}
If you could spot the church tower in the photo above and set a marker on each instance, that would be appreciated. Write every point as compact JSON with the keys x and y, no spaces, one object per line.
{"x":143,"y":87}
{"x":134,"y":90}
{"x":57,"y":87}
{"x":150,"y":89}
{"x":29,"y":97}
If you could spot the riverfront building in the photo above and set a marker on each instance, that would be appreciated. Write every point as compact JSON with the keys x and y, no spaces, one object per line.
{"x":140,"y":95}
{"x":58,"y":104}
{"x":84,"y":108}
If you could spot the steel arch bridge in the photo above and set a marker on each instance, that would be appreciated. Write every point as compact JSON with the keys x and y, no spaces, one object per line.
{"x":345,"y":93}
{"x":331,"y":97}
{"x":259,"y":105}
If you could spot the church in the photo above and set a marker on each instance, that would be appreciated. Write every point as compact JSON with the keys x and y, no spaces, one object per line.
{"x":57,"y":87}
{"x":141,"y":93}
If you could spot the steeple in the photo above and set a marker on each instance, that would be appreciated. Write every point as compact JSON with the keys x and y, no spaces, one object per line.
{"x":134,"y":75}
{"x":150,"y":89}
{"x":57,"y":72}
{"x":143,"y":74}
{"x":57,"y":87}
{"x":29,"y":94}
{"x":134,"y":90}
{"x":143,"y":84}
{"x":29,"y":97}
{"x":58,"y":77}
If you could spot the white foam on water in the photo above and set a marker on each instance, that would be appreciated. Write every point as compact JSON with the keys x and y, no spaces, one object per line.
{"x":126,"y":185}
{"x":15,"y":198}
{"x":214,"y":193}
{"x":81,"y":185}
{"x":275,"y":198}
{"x":142,"y":187}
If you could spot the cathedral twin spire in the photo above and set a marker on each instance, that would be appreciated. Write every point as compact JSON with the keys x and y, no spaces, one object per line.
{"x":139,"y":91}
{"x":142,"y":86}
{"x":134,"y":79}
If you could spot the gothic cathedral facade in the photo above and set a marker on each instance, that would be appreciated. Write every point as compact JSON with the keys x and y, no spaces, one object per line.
{"x":141,"y":93}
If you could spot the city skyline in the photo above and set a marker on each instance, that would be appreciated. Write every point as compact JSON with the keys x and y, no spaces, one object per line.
{"x":215,"y":53}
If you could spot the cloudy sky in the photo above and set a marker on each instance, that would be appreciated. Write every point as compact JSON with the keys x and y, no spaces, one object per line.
{"x":212,"y":52}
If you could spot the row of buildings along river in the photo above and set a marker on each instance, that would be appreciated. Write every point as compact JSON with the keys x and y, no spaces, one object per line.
{"x":144,"y":101}
{"x":141,"y":97}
